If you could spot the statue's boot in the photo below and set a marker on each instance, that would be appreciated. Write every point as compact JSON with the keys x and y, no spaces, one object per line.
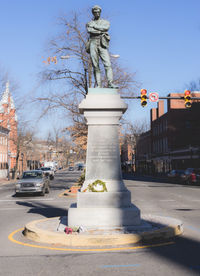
{"x":109,"y":75}
{"x":112,"y":85}
{"x":97,"y":76}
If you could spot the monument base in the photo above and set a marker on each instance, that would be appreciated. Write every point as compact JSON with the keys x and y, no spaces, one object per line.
{"x":112,"y":208}
{"x":107,"y":199}
{"x":103,"y":218}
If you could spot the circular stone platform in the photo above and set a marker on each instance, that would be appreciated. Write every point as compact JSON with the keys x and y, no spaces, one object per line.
{"x":152,"y":229}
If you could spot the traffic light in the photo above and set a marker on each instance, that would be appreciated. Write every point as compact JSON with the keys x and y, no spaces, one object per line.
{"x":143,"y":97}
{"x":187,"y":98}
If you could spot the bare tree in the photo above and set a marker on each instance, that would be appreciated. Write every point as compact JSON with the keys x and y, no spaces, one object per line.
{"x":72,"y":77}
{"x":131,"y":131}
{"x":194,"y":85}
{"x":23,"y":142}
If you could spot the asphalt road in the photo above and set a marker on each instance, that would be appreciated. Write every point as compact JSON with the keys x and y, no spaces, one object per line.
{"x":182,"y":257}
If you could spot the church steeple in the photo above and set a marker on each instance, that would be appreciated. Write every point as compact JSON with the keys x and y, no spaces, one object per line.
{"x":8,"y":119}
{"x":6,"y":94}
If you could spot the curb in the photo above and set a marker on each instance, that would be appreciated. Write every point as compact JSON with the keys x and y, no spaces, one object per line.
{"x":36,"y":231}
{"x":72,"y":192}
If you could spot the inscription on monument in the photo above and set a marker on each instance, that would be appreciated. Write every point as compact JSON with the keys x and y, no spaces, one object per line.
{"x":103,"y":152}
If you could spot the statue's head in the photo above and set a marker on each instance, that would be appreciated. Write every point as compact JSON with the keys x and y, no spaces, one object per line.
{"x":96,"y":10}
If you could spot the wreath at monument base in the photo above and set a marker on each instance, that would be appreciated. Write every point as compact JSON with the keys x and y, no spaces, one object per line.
{"x":97,"y":186}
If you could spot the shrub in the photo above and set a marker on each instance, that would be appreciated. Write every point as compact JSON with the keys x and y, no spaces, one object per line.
{"x":81,"y":179}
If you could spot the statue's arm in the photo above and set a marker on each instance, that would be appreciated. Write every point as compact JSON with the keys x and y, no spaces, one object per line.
{"x":103,"y":27}
{"x":92,"y":30}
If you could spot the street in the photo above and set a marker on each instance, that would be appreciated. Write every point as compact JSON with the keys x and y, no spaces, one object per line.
{"x":180,"y":257}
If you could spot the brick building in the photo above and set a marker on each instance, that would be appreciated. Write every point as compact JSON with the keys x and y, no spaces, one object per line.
{"x":174,"y":136}
{"x":127,"y":150}
{"x":4,"y":132}
{"x":143,"y":153}
{"x":8,"y":120}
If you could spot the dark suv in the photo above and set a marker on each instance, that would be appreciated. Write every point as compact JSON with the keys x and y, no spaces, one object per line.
{"x":191,"y":176}
{"x":175,"y":175}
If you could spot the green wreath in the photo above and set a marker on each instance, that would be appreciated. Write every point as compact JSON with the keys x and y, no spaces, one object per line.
{"x":92,"y":187}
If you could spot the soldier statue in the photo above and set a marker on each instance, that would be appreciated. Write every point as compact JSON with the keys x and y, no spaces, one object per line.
{"x":97,"y":46}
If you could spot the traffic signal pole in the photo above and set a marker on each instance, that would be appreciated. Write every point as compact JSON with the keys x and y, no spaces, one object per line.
{"x":154,"y":97}
{"x":162,"y":98}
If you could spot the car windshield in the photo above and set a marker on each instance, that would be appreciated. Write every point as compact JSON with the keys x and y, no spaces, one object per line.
{"x":32,"y":175}
{"x":189,"y":170}
{"x":45,"y":169}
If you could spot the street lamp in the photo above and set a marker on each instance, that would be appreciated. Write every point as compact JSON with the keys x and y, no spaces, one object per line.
{"x":67,"y":57}
{"x":115,"y":55}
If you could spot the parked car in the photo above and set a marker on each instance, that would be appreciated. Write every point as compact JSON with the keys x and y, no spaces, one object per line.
{"x":48,"y":171}
{"x":175,"y":175}
{"x":191,"y":176}
{"x":33,"y":181}
{"x":71,"y":169}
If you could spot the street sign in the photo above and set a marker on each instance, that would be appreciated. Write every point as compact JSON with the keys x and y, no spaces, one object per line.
{"x":154,"y":97}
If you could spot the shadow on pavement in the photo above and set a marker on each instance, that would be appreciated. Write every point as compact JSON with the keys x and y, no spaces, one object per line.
{"x":185,"y":252}
{"x":45,"y":210}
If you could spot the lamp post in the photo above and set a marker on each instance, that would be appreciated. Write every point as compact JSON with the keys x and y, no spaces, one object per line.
{"x":9,"y":153}
{"x":22,"y":156}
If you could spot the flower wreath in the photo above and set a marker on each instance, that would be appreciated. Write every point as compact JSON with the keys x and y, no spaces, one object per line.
{"x":93,"y":187}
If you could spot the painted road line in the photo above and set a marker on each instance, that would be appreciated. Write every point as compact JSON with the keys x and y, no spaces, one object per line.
{"x":195,"y":200}
{"x":193,"y":228}
{"x":25,"y":199}
{"x":23,"y":208}
{"x":12,"y":208}
{"x":11,"y":238}
{"x":166,"y":200}
{"x":118,"y":266}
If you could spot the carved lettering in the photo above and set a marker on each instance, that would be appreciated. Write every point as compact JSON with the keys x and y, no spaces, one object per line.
{"x":103,"y":152}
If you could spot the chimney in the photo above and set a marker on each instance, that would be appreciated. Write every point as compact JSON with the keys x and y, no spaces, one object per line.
{"x":153,"y":114}
{"x":160,"y":109}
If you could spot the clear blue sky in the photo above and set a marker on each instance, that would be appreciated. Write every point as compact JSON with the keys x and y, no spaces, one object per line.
{"x":158,"y":39}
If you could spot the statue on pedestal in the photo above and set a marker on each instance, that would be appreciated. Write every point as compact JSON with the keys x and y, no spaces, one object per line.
{"x":97,"y":46}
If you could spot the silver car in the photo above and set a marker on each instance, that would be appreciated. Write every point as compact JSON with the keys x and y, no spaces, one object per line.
{"x":34,"y":181}
{"x":48,"y":171}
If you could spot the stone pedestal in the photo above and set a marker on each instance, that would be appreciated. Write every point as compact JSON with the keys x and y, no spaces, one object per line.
{"x":103,"y":109}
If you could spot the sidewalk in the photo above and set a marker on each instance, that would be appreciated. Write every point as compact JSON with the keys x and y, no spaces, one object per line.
{"x":4,"y":181}
{"x":158,"y":178}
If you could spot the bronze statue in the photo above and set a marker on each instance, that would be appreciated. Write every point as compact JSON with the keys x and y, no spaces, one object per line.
{"x":98,"y":45}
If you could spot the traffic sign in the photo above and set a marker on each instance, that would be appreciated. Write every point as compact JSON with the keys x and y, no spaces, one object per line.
{"x":154,"y":97}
